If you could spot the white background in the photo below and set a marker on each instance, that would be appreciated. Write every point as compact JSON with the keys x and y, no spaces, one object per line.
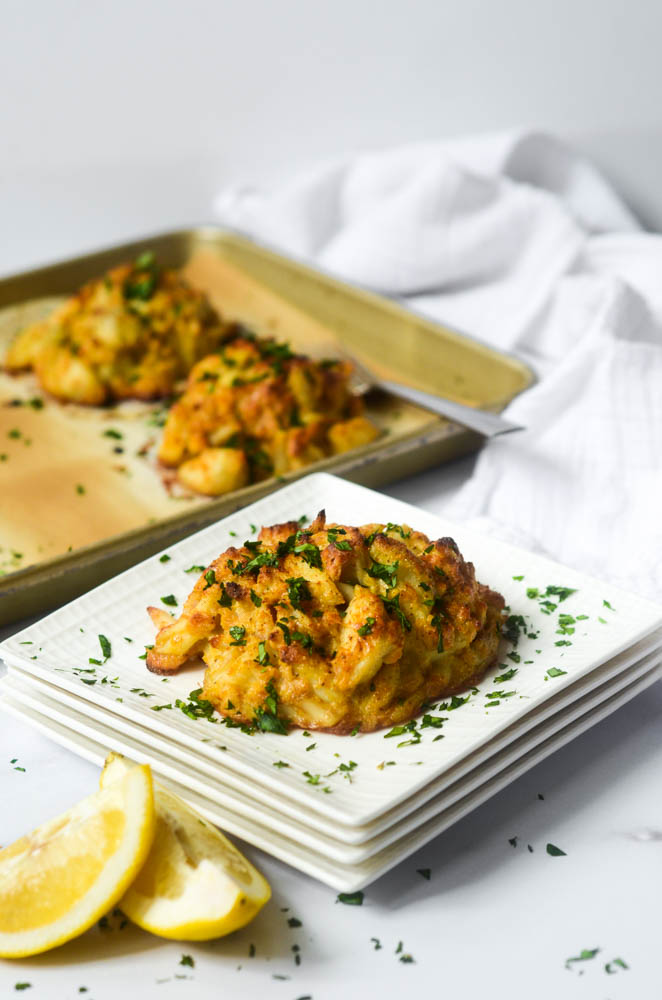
{"x":122,"y":117}
{"x":117,"y":118}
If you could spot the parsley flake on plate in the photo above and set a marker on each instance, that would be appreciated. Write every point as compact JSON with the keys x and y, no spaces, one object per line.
{"x":105,"y":646}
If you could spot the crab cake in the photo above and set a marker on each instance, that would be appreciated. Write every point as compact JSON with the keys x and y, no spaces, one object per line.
{"x":333,"y":627}
{"x":254,"y":409}
{"x":132,"y":334}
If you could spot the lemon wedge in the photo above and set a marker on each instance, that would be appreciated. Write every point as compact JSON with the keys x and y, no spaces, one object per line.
{"x":195,"y":884}
{"x":61,"y":878}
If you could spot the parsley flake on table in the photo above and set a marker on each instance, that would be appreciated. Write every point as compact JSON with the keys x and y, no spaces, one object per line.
{"x":294,"y":922}
{"x":187,"y":960}
{"x":350,"y":898}
{"x":424,"y":873}
{"x":22,"y":986}
{"x":170,"y":600}
{"x":555,"y":852}
{"x":617,"y":962}
{"x":584,"y":956}
{"x":555,"y":672}
{"x":164,"y":558}
{"x":194,"y":569}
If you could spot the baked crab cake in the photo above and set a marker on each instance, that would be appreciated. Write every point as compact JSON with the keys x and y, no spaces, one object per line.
{"x":254,"y":409}
{"x":333,"y":627}
{"x":133,"y":333}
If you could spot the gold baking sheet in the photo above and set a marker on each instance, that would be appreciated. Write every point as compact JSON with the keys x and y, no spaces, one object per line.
{"x":78,"y":504}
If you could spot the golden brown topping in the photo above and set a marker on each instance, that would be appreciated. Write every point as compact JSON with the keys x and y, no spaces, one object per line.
{"x":278,"y":410}
{"x":131,"y":334}
{"x":341,"y":627}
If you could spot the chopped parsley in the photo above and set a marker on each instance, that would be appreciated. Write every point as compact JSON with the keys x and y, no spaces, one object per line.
{"x":80,"y":489}
{"x":112,"y":433}
{"x":555,"y":672}
{"x":262,"y":655}
{"x":388,"y":572}
{"x":350,"y":898}
{"x":315,"y":779}
{"x":256,"y":599}
{"x":584,"y":956}
{"x":105,"y":646}
{"x":392,"y":605}
{"x":309,"y":553}
{"x":606,"y":604}
{"x":238,"y":633}
{"x":170,"y":600}
{"x":195,"y":708}
{"x":261,"y":559}
{"x":210,"y":579}
{"x":399,"y":529}
{"x":303,"y":639}
{"x":555,"y":851}
{"x":298,"y":591}
{"x":187,"y":960}
{"x":224,"y":600}
{"x":366,"y":628}
{"x":424,"y":873}
{"x":194,"y":569}
{"x":505,"y":676}
{"x":266,"y":717}
{"x":286,"y":632}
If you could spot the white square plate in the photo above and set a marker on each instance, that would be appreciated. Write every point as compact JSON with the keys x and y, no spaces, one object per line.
{"x":229,"y":789}
{"x":342,"y":876}
{"x":58,"y":648}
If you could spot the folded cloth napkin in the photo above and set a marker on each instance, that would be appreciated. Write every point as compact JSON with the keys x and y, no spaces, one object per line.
{"x":521,"y":242}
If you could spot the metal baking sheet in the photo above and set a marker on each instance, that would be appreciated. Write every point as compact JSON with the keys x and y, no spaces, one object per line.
{"x":78,"y":505}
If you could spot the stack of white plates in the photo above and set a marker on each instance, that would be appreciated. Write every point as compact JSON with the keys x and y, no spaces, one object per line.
{"x":343,"y":809}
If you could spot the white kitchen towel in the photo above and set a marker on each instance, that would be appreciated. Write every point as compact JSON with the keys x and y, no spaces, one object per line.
{"x":521,"y":242}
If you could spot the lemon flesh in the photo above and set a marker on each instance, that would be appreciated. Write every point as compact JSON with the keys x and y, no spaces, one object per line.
{"x":195,"y":884}
{"x":60,"y":879}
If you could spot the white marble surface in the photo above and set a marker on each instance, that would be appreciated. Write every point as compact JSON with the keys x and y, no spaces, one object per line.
{"x":493,"y":921}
